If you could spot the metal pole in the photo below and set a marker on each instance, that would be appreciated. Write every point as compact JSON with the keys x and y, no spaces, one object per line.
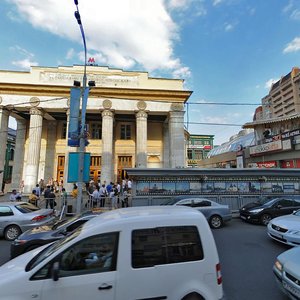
{"x":83,"y":112}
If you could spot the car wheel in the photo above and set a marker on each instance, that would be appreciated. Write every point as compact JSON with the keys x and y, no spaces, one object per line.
{"x":215,"y":221}
{"x":193,"y":296}
{"x":12,"y":232}
{"x":265,"y":219}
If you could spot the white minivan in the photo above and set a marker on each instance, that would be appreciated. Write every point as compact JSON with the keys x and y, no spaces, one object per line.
{"x":137,"y":253}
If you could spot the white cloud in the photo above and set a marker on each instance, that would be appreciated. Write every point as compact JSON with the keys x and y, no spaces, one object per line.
{"x":70,"y":53}
{"x":122,"y":33}
{"x":24,"y":63}
{"x":295,"y":15}
{"x":293,"y":46}
{"x":217,"y":2}
{"x":269,"y":83}
{"x":228,"y":27}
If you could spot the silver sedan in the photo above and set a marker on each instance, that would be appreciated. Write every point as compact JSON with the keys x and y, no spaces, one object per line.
{"x":286,"y":229}
{"x":287,"y":272}
{"x":17,"y":217}
{"x":216,"y":214}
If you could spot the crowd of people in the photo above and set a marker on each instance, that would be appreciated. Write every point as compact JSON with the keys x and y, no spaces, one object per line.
{"x":112,"y":195}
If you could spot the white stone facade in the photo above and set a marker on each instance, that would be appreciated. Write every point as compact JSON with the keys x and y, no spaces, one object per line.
{"x":133,"y":121}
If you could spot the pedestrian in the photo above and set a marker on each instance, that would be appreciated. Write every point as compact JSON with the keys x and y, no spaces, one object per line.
{"x":37,"y":190}
{"x":51,"y":197}
{"x":41,"y":185}
{"x":46,"y":195}
{"x":95,"y":197}
{"x":129,"y":185}
{"x":113,"y":197}
{"x":109,"y":188}
{"x":103,"y":194}
{"x":15,"y":196}
{"x":33,"y":198}
{"x":125,"y":199}
{"x":74,"y":192}
{"x":64,"y":197}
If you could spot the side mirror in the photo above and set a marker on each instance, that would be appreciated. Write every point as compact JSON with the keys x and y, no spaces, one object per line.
{"x":55,"y":271}
{"x":279,"y":206}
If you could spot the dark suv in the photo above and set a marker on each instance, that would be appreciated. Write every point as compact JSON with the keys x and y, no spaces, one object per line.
{"x":263,"y":210}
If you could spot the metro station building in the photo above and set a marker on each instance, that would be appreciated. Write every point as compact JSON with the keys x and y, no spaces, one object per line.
{"x":133,"y":121}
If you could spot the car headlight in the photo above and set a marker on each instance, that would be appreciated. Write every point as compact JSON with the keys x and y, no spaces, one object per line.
{"x":278,"y":265}
{"x":255,"y":211}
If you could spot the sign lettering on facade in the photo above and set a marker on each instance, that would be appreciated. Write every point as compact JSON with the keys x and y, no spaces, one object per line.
{"x":290,"y":133}
{"x":100,"y":80}
{"x":269,"y":147}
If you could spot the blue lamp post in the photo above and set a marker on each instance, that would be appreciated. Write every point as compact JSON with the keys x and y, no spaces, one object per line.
{"x":84,"y":97}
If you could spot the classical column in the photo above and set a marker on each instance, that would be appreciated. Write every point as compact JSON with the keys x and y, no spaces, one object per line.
{"x":4,"y":114}
{"x":49,"y":151}
{"x":18,"y":164}
{"x":176,"y":134}
{"x":33,"y":154}
{"x":141,"y":139}
{"x":107,"y":162}
{"x":67,"y":186}
{"x":166,"y":157}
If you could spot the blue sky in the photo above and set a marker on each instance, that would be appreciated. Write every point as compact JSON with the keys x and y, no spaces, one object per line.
{"x":228,"y":51}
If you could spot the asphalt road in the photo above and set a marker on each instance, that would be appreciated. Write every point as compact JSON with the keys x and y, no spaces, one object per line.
{"x":246,"y":255}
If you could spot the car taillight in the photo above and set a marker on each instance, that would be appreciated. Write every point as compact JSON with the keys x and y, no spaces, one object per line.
{"x":219,"y":275}
{"x":38,"y":218}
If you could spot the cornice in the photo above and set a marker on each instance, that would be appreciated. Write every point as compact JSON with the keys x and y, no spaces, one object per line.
{"x":97,"y":92}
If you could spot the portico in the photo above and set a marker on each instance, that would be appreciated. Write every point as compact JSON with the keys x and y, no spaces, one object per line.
{"x":133,"y":121}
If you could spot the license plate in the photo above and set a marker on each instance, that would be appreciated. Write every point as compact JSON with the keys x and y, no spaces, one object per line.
{"x":243,"y":217}
{"x":291,"y":289}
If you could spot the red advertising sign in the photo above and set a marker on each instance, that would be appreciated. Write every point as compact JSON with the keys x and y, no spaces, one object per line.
{"x":267,"y":164}
{"x":287,"y":164}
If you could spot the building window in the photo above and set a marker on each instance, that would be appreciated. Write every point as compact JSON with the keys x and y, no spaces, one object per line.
{"x":198,"y":154}
{"x":96,"y":131}
{"x":190,"y":154}
{"x":125,"y":132}
{"x":64,"y":131}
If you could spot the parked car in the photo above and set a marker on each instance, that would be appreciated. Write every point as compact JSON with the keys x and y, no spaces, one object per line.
{"x":265,"y":209}
{"x":150,"y":252}
{"x":17,"y":217}
{"x":215,"y":213}
{"x":287,"y":272}
{"x":286,"y":229}
{"x":46,"y":234}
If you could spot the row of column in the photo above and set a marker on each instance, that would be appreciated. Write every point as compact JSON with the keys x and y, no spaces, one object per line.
{"x":173,"y":148}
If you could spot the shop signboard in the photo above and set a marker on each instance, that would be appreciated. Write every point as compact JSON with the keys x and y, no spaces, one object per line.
{"x":268,"y":147}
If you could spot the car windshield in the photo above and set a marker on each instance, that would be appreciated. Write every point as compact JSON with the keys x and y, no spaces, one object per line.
{"x":170,"y":201}
{"x":266,"y":200}
{"x":26,"y":208}
{"x":52,"y":248}
{"x":63,"y":223}
{"x":297,"y":213}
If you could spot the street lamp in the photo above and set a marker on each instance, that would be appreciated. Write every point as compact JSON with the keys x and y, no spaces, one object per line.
{"x":84,"y":98}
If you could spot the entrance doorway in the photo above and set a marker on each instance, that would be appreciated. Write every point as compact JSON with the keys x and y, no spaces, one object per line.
{"x":123,"y":163}
{"x":60,"y":168}
{"x":95,"y":168}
